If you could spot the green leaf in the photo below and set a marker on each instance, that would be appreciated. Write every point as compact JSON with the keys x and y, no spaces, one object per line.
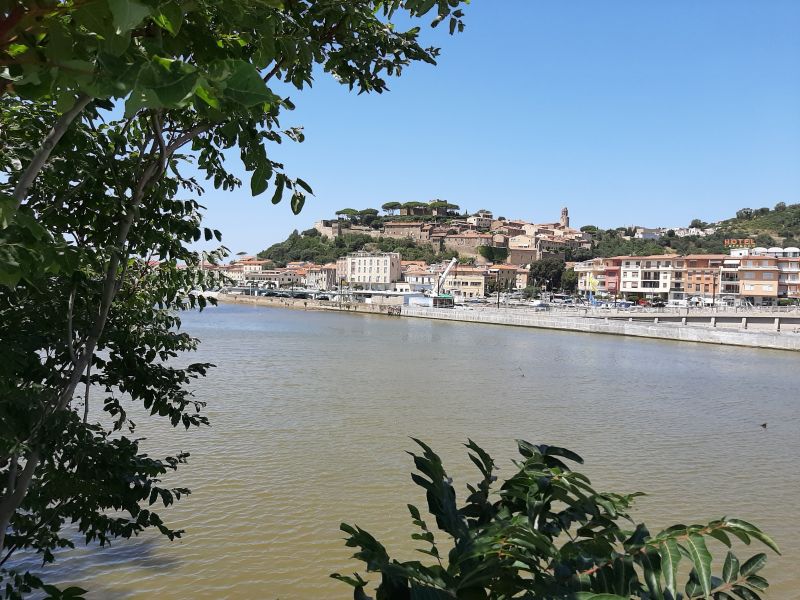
{"x":260,"y":179}
{"x":670,"y":558}
{"x":730,"y":570}
{"x":298,"y":200}
{"x":167,"y":84}
{"x":753,"y":565}
{"x":701,"y":559}
{"x":737,"y":525}
{"x":241,"y":82}
{"x":279,"y":184}
{"x":127,"y":14}
{"x":170,"y":17}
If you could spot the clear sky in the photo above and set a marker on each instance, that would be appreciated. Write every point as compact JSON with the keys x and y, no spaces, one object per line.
{"x":627,"y":112}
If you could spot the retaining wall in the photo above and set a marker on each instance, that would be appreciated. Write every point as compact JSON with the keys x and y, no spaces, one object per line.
{"x":777,"y":340}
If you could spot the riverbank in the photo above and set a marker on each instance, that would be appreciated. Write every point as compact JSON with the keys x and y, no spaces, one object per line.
{"x":661,"y":327}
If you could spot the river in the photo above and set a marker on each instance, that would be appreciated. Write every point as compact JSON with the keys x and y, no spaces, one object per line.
{"x":311,"y":416}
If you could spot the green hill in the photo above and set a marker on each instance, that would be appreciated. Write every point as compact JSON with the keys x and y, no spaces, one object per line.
{"x":779,"y":226}
{"x":782,"y":223}
{"x":311,"y":246}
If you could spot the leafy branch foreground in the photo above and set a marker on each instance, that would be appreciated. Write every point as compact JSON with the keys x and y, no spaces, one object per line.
{"x":546,"y":533}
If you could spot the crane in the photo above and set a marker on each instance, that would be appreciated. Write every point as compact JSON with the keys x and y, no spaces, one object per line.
{"x":443,"y":276}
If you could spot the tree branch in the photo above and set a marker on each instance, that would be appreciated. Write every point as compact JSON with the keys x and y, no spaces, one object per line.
{"x":70,"y":307}
{"x":9,"y":505}
{"x":41,"y":156}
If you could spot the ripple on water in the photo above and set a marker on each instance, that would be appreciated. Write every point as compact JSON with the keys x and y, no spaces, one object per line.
{"x":312,"y":415}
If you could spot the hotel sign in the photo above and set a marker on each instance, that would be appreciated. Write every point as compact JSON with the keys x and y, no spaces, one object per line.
{"x":740,"y":243}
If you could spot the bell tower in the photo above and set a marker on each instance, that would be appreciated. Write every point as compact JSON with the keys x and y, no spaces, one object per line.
{"x":565,"y":217}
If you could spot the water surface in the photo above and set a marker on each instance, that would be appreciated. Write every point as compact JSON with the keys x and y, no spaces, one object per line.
{"x":312,"y":413}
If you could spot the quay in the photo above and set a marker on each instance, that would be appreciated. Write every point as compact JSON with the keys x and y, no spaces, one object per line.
{"x":753,"y":329}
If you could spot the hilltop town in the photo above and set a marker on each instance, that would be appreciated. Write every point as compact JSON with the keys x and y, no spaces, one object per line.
{"x":432,"y":248}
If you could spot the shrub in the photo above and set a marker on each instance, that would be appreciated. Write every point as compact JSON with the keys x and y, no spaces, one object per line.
{"x":546,"y":533}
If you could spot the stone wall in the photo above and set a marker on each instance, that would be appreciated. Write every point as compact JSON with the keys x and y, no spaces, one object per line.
{"x":778,"y":340}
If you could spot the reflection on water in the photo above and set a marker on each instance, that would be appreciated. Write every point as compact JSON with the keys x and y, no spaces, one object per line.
{"x":311,"y":415}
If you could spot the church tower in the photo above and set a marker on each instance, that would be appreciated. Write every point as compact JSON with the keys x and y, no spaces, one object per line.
{"x":565,"y":217}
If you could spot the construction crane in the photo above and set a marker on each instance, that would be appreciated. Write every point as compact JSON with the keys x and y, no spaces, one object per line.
{"x":440,"y":300}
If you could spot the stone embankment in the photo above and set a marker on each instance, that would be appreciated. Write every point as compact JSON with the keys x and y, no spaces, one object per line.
{"x":778,"y":332}
{"x":299,"y":304}
{"x":787,"y":338}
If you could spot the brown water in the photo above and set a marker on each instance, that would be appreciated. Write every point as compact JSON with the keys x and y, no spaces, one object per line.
{"x":311,"y":415}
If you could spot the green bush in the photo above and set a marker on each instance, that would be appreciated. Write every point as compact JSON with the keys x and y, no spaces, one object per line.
{"x":545,"y":533}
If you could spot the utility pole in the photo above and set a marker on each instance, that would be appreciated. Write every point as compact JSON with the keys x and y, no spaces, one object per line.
{"x":714,"y":287}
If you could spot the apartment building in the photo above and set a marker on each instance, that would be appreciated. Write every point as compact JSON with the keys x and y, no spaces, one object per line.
{"x":466,"y":282}
{"x":759,"y":276}
{"x":702,"y":275}
{"x":321,"y":277}
{"x":650,"y":276}
{"x":789,"y":276}
{"x":504,"y":275}
{"x":758,"y":279}
{"x":374,"y":271}
{"x":275,"y":278}
{"x":591,"y":276}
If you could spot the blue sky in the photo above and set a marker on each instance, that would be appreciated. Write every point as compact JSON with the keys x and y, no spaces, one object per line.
{"x":627,"y":112}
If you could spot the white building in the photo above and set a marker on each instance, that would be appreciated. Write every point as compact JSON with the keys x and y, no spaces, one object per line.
{"x":321,"y":277}
{"x":481,"y":220}
{"x":367,"y":270}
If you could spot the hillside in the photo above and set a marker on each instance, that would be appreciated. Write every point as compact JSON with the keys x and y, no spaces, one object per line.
{"x":779,"y":226}
{"x":311,"y":246}
{"x":782,"y":223}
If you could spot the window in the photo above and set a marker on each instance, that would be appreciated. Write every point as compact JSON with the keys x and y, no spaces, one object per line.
{"x":768,"y":276}
{"x":749,"y":275}
{"x":767,"y":288}
{"x":748,"y":287}
{"x":696,"y":287}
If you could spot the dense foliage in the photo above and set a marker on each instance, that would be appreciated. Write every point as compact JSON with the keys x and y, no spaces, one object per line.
{"x":547,"y":272}
{"x":104,"y":103}
{"x":88,"y":319}
{"x":321,"y":249}
{"x":546,"y":533}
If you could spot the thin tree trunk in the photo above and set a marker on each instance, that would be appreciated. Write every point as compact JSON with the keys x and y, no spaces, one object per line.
{"x":41,"y":156}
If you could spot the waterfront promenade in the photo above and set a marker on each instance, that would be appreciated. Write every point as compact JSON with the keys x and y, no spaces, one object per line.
{"x":753,"y":329}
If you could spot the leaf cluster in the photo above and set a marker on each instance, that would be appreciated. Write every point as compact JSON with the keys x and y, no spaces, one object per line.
{"x":547,"y":533}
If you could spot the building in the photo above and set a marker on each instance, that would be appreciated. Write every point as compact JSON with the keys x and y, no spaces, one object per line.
{"x":418,"y":279}
{"x":702,"y":275}
{"x":758,"y":279}
{"x":481,"y":219}
{"x":522,"y":256}
{"x":591,"y":277}
{"x":465,"y":282}
{"x":322,"y":277}
{"x":564,"y":218}
{"x":522,"y":241}
{"x":789,"y":275}
{"x":367,"y":270}
{"x":505,"y":276}
{"x":523,"y":276}
{"x":413,"y":230}
{"x":275,"y":278}
{"x":467,"y":242}
{"x":647,"y":233}
{"x":649,"y":276}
